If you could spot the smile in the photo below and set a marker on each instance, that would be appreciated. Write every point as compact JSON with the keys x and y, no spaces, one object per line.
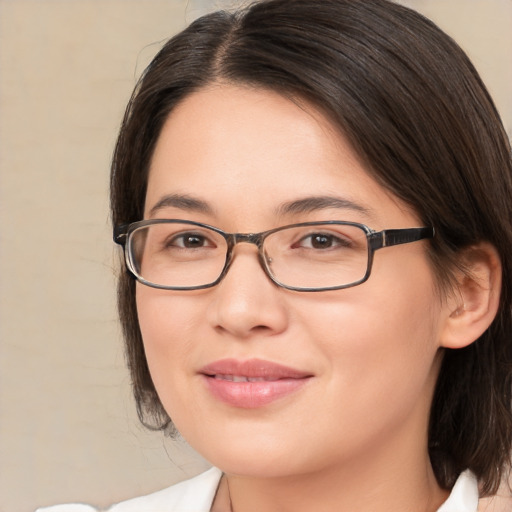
{"x":241,"y":378}
{"x":253,"y":383}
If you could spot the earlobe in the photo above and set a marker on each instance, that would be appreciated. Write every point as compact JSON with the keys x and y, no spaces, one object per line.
{"x":474,"y":303}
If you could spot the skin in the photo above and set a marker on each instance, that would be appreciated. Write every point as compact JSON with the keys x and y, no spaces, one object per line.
{"x":355,"y":436}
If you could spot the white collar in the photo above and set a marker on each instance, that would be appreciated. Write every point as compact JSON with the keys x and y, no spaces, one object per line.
{"x":464,"y":495}
{"x":197,"y":494}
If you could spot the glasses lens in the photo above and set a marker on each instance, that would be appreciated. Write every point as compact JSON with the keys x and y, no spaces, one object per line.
{"x":317,"y":256}
{"x":177,"y":255}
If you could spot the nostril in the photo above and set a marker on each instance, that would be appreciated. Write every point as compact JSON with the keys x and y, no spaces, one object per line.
{"x":260,"y":328}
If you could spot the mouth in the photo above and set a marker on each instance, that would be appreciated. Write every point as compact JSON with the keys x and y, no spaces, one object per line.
{"x":241,"y":378}
{"x":253,"y":383}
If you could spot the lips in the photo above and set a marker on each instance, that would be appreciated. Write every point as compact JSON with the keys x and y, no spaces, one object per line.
{"x":252,"y":383}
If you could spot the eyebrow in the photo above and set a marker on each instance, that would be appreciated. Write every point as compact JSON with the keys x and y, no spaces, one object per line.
{"x":299,"y":206}
{"x":316,"y":203}
{"x":183,"y":202}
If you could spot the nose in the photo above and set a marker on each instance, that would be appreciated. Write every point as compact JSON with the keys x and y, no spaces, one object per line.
{"x":246,"y":302}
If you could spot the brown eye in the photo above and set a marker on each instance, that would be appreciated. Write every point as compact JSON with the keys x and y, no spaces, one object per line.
{"x":190,"y":241}
{"x":322,"y":241}
{"x":193,"y":241}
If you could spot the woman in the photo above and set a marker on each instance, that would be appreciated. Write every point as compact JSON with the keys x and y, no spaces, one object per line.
{"x":314,"y":201}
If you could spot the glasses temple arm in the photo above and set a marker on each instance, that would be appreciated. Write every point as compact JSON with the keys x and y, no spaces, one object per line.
{"x":120,"y":232}
{"x":390,"y":237}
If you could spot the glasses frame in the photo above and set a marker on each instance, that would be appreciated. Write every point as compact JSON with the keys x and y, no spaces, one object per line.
{"x":376,"y":240}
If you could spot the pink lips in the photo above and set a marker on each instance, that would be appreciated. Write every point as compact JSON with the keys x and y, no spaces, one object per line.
{"x":252,"y":383}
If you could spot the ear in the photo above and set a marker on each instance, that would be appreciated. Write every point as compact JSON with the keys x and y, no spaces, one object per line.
{"x":473,"y":305}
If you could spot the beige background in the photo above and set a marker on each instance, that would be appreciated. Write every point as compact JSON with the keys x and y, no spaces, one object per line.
{"x":68,"y":431}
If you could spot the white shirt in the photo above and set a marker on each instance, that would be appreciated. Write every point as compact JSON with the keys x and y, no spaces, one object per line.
{"x":197,"y":494}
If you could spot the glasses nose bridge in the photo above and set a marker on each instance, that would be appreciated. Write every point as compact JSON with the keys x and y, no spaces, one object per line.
{"x":248,"y":238}
{"x":256,"y":239}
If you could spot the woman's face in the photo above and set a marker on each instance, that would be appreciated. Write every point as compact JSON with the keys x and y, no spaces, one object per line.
{"x":360,"y":364}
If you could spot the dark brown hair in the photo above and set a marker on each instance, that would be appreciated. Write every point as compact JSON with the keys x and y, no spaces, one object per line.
{"x":415,"y":110}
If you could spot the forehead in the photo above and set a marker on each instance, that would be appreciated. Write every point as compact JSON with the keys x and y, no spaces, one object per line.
{"x":246,"y":151}
{"x":245,"y":120}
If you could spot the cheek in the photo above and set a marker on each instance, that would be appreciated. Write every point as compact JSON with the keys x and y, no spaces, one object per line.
{"x":375,"y":336}
{"x":380,"y":339}
{"x":167,"y":324}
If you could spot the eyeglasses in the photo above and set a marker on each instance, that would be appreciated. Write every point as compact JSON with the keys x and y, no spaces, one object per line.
{"x":176,"y":254}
